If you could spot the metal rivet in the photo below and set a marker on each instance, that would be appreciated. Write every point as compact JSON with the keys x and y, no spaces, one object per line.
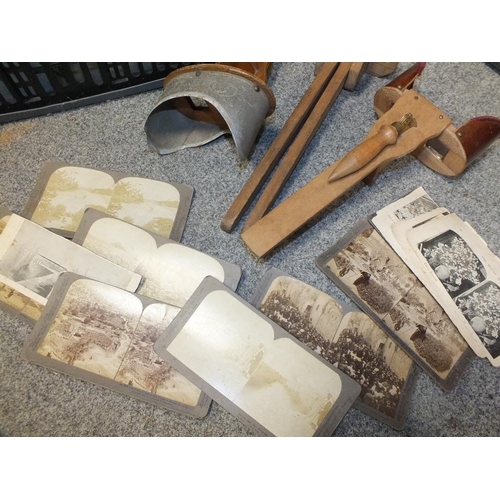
{"x":257,"y":88}
{"x":399,"y":87}
{"x":459,"y":134}
{"x":440,"y":117}
{"x":198,"y":73}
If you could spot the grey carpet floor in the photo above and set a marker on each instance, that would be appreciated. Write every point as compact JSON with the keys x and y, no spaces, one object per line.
{"x":38,"y":402}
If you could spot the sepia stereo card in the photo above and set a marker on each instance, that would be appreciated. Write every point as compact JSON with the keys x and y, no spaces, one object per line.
{"x":368,"y":270}
{"x":105,"y":335}
{"x":347,"y":338}
{"x":63,"y":192}
{"x":32,"y":258}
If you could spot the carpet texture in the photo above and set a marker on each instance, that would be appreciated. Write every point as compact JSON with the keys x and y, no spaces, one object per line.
{"x":35,"y":401}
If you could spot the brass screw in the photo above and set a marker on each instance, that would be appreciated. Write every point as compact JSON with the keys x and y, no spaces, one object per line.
{"x":440,"y":117}
{"x":459,"y":134}
{"x":399,"y":87}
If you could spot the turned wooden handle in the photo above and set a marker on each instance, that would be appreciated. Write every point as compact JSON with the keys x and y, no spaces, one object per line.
{"x":365,"y":152}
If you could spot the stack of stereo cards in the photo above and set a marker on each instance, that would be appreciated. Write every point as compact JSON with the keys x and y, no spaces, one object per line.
{"x":453,"y":262}
{"x":428,"y":279}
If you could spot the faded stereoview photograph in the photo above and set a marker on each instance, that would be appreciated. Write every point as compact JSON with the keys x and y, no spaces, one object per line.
{"x":171,"y":272}
{"x":105,"y":331}
{"x":70,"y":190}
{"x":32,"y":258}
{"x":354,"y":344}
{"x":275,"y":381}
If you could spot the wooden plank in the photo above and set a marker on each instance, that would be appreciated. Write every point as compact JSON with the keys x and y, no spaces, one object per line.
{"x":300,"y":144}
{"x":277,"y":148}
{"x":318,"y":194}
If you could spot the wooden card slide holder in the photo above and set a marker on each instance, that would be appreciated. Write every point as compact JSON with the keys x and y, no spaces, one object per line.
{"x":431,"y":138}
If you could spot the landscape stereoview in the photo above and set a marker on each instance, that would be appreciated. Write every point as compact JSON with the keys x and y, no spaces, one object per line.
{"x":171,"y":271}
{"x":69,"y":190}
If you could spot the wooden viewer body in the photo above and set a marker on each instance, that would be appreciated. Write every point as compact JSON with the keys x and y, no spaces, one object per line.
{"x":434,"y":141}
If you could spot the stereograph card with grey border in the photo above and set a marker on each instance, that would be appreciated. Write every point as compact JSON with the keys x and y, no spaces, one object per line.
{"x":366,"y":268}
{"x":105,"y":335}
{"x":463,"y":275}
{"x":253,"y":368}
{"x":171,"y":272}
{"x":32,"y":258}
{"x":63,"y":192}
{"x":347,"y":338}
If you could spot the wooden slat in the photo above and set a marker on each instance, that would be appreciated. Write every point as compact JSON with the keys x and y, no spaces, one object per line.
{"x":277,"y":148}
{"x":318,"y":194}
{"x":299,"y":145}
